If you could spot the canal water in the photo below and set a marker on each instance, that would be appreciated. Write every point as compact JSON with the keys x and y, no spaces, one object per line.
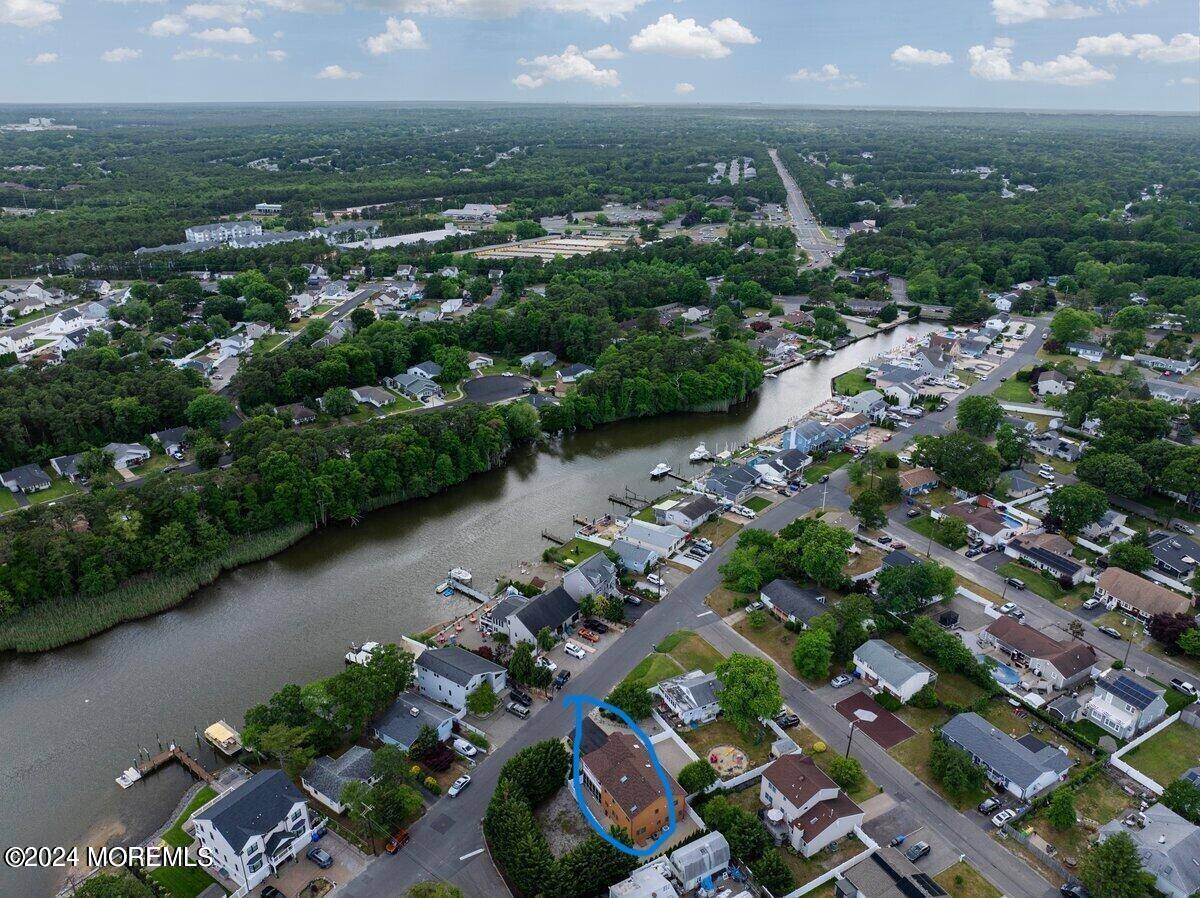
{"x":71,"y":720}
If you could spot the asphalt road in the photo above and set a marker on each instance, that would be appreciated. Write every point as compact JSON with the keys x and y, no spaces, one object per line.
{"x":809,"y":236}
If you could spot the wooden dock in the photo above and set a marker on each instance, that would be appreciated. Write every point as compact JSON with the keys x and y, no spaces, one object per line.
{"x":557,"y":540}
{"x":157,"y":762}
{"x":469,"y":592}
{"x":674,"y":476}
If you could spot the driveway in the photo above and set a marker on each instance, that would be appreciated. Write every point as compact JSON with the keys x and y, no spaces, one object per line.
{"x":905,"y":820}
{"x":348,"y":862}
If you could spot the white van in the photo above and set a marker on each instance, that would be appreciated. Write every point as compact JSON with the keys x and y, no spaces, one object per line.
{"x":654,"y":579}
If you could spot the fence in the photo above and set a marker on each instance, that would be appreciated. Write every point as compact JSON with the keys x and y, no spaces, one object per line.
{"x":1136,"y":775}
{"x":841,"y":868}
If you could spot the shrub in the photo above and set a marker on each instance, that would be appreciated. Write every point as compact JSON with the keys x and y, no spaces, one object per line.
{"x":888,"y":702}
{"x":697,"y":776}
{"x":846,"y":772}
{"x":432,"y":785}
{"x":925,"y":698}
{"x":819,"y":748}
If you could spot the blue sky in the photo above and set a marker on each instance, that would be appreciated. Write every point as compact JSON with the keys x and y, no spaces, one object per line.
{"x":1058,"y":54}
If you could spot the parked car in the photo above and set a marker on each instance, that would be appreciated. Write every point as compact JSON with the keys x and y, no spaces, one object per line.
{"x":464,"y":748}
{"x":596,"y":626}
{"x":1091,"y":603}
{"x":632,"y":599}
{"x":1183,"y":686}
{"x":707,"y":543}
{"x":786,"y":721}
{"x":574,"y":651}
{"x":823,"y":479}
{"x":584,"y":633}
{"x":517,"y":710}
{"x":320,"y":857}
{"x":1074,"y":889}
{"x":458,"y":785}
{"x":974,"y":551}
{"x":520,"y":696}
{"x":547,"y":663}
{"x":560,"y":679}
{"x":917,"y":852}
{"x":1184,"y":528}
{"x":988,"y":805}
{"x":395,"y":843}
{"x":913,"y":513}
{"x":272,"y":892}
{"x":654,"y":579}
{"x":1111,"y":631}
{"x":1003,"y":817}
{"x":841,"y":680}
{"x":756,"y":605}
{"x":1015,"y":582}
{"x":885,"y":539}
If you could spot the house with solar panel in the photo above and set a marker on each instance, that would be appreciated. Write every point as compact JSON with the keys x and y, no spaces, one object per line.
{"x":1125,"y":704}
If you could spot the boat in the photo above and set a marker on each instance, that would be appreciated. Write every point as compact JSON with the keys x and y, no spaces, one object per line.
{"x":442,"y":587}
{"x":361,"y":654}
{"x":461,"y":574}
{"x":129,"y":777}
{"x":662,"y":469}
{"x":771,"y":375}
{"x":224,"y":738}
{"x":700,"y":453}
{"x":830,"y":352}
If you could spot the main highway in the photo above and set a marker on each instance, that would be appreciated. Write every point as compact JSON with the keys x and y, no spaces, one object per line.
{"x":809,"y":235}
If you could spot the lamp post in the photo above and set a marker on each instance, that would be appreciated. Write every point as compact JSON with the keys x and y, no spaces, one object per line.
{"x":862,"y":716}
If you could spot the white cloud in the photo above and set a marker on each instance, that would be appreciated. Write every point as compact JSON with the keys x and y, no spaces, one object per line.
{"x":399,"y":34}
{"x":224,"y":12}
{"x":44,"y":59}
{"x":1116,"y":44}
{"x":120,"y":54}
{"x":1016,"y":12}
{"x":235,"y":35}
{"x":337,"y":73}
{"x":684,"y":87}
{"x":204,"y":53}
{"x":168,"y":26}
{"x":499,"y":9}
{"x":277,"y":55}
{"x":29,"y":13}
{"x":604,"y":52}
{"x":1186,"y":79}
{"x":685,"y":37}
{"x":1182,"y":48}
{"x":570,"y":65}
{"x":1069,"y":70}
{"x":828,"y":74}
{"x":910,"y":55}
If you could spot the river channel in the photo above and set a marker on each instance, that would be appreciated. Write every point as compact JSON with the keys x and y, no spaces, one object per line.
{"x":72,"y":719}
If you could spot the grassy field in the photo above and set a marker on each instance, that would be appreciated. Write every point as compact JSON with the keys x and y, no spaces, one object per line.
{"x":813,"y":473}
{"x":7,"y":502}
{"x":652,"y":669}
{"x":1167,"y":755}
{"x":1096,"y":802}
{"x":927,"y":527}
{"x":758,"y":503}
{"x":184,"y":882}
{"x":964,"y":881}
{"x":774,"y":639}
{"x":1013,"y":390}
{"x":1035,"y":581}
{"x":175,"y":836}
{"x":691,"y":651}
{"x":726,"y":601}
{"x":717,"y":530}
{"x":59,"y":487}
{"x":578,"y":550}
{"x":913,"y":753}
{"x":851,"y":383}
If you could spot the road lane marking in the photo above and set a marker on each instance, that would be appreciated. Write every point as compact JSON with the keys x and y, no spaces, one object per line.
{"x":467,"y":857}
{"x":703,"y":613}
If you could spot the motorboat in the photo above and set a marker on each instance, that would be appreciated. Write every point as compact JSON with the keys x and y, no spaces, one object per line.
{"x":770,"y":375}
{"x":461,"y":574}
{"x":700,"y":453}
{"x":830,"y":353}
{"x":361,"y":654}
{"x":662,"y":469}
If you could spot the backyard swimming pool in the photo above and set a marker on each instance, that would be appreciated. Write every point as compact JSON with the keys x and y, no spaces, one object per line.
{"x":1005,"y":675}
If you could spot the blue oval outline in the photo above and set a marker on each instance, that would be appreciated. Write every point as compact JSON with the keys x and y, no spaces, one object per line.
{"x":578,"y":701}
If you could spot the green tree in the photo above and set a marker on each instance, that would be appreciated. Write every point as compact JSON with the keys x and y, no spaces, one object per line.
{"x":425,"y":743}
{"x":868,"y":507}
{"x":749,"y":691}
{"x":1012,"y":444}
{"x":1061,"y":811}
{"x":207,"y":411}
{"x":847,"y":772}
{"x":1113,"y":472}
{"x":952,"y":532}
{"x":545,"y":639}
{"x":1189,"y":643}
{"x":1183,"y":797}
{"x":979,"y":415}
{"x":289,"y":746}
{"x":521,"y":664}
{"x":113,"y":885}
{"x":773,"y":874}
{"x":1113,"y":869}
{"x":1077,"y":506}
{"x":362,"y":317}
{"x":813,"y":653}
{"x":904,"y":589}
{"x":482,"y":700}
{"x":338,"y":402}
{"x":953,"y":768}
{"x":633,"y":698}
{"x":697,"y":776}
{"x":1130,"y":556}
{"x":95,"y":463}
{"x":1070,"y":326}
{"x":961,"y":459}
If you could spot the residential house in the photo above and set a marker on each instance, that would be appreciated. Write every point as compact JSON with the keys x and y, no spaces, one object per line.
{"x":792,"y":603}
{"x":694,"y":315}
{"x":932,"y":363}
{"x":573,"y":373}
{"x":26,"y":479}
{"x":298,"y":412}
{"x":337,"y":332}
{"x":1042,"y":552}
{"x":1004,"y":302}
{"x":326,"y":778}
{"x":67,"y":466}
{"x":222,"y":231}
{"x":1180,"y":394}
{"x":1173,"y":366}
{"x":900,"y":558}
{"x":997,"y":322}
{"x":1024,"y":767}
{"x":1062,"y":663}
{"x":1052,"y":383}
{"x":1050,"y":443}
{"x":1020,"y":425}
{"x":409,"y":714}
{"x":427,"y":370}
{"x":782,"y":467}
{"x":1125,"y":704}
{"x":665,"y":539}
{"x":522,"y":619}
{"x":808,"y":436}
{"x":984,"y":521}
{"x":1108,"y":527}
{"x":173,"y":440}
{"x":814,"y":809}
{"x":947,"y":344}
{"x":887,"y":873}
{"x":420,"y":388}
{"x":884,"y":666}
{"x":450,"y":306}
{"x":649,"y":881}
{"x":595,"y":576}
{"x":1168,"y":846}
{"x":869,"y":403}
{"x":635,"y":559}
{"x":451,"y":673}
{"x":1018,"y":484}
{"x":375,"y":397}
{"x":545,"y":359}
{"x":477,"y":361}
{"x":846,"y":427}
{"x":1093,"y":352}
{"x":127,"y":455}
{"x":974,"y":347}
{"x":918,"y":481}
{"x":251,"y":831}
{"x":707,"y":857}
{"x":1137,"y":596}
{"x":1174,"y":554}
{"x":866,"y":308}
{"x":687,"y":514}
{"x":691,"y":697}
{"x":732,"y":484}
{"x":620,"y":776}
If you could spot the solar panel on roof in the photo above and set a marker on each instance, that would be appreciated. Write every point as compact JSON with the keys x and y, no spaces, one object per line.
{"x":929,"y":885}
{"x":1134,"y":693}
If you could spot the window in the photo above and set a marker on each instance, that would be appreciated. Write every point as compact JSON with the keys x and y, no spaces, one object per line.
{"x":254,"y":864}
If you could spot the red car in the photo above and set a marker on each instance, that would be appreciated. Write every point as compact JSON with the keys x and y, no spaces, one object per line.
{"x":584,"y":633}
{"x":396,"y":842}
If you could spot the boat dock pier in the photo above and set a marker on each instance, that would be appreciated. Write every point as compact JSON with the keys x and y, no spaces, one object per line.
{"x":153,"y":764}
{"x":672,"y":475}
{"x":467,"y":591}
{"x":557,"y":540}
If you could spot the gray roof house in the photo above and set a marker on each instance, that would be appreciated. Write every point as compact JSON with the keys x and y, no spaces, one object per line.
{"x":1093,"y":352}
{"x":67,"y":465}
{"x":451,"y":673}
{"x":1174,"y":554}
{"x":1125,"y":704}
{"x":373,"y":396}
{"x":522,"y":619}
{"x":660,"y":538}
{"x":573,"y":372}
{"x":1025,"y":766}
{"x":173,"y":439}
{"x":414,"y":385}
{"x":402,"y":722}
{"x":595,"y":576}
{"x":884,"y":666}
{"x":1169,"y":847}
{"x":637,"y":559}
{"x":544,"y":358}
{"x":26,"y":479}
{"x":692,"y":697}
{"x":428,"y":370}
{"x":326,"y":777}
{"x":127,"y":455}
{"x":792,"y":603}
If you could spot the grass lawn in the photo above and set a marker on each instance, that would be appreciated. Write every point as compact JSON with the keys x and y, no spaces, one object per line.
{"x":964,"y":881}
{"x":813,"y":473}
{"x":1169,"y":508}
{"x":175,"y":836}
{"x":1036,"y":581}
{"x":717,"y":530}
{"x":1167,"y":755}
{"x":321,"y":309}
{"x":1013,"y":390}
{"x":774,"y":639}
{"x":949,"y":686}
{"x":851,"y":383}
{"x":927,"y":527}
{"x":913,"y":753}
{"x":266,"y":344}
{"x":59,"y":487}
{"x":653,"y":668}
{"x":579,"y":550}
{"x":1097,"y":802}
{"x":7,"y":502}
{"x":692,"y":652}
{"x":807,"y":869}
{"x":182,"y":882}
{"x":726,"y":601}
{"x":1129,"y":629}
{"x":938,"y":496}
{"x":723,"y":732}
{"x":866,"y":560}
{"x":646,"y":514}
{"x":758,"y":503}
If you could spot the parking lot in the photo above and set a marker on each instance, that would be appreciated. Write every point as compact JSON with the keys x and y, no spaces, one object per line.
{"x":904,"y":820}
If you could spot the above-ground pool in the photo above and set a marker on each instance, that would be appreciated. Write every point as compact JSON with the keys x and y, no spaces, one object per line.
{"x":1005,"y":675}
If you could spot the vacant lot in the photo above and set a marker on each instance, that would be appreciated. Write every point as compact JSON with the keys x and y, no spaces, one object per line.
{"x":726,"y":601}
{"x":718,"y":530}
{"x":964,"y":881}
{"x":692,"y":652}
{"x":1096,"y":802}
{"x":1013,"y":390}
{"x":1166,"y":756}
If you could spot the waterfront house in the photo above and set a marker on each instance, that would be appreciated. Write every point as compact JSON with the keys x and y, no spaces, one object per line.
{"x":326,"y":778}
{"x":808,"y":436}
{"x":1169,"y":848}
{"x":1125,"y":704}
{"x":792,"y":603}
{"x":1043,"y":552}
{"x":595,"y":576}
{"x":427,"y":370}
{"x":635,"y":559}
{"x":409,"y":714}
{"x":1063,"y":664}
{"x":253,"y":830}
{"x":814,"y":810}
{"x":885,"y":667}
{"x":868,"y":403}
{"x":1024,"y":767}
{"x":691,"y":697}
{"x":1137,"y":596}
{"x":687,"y":513}
{"x":621,"y":778}
{"x":522,"y":619}
{"x":665,"y":539}
{"x":918,"y":481}
{"x":947,"y":344}
{"x":26,"y":479}
{"x":1093,"y":352}
{"x":451,"y":673}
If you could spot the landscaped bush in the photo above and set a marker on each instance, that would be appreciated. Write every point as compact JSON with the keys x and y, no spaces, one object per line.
{"x":888,"y":702}
{"x":926,"y":697}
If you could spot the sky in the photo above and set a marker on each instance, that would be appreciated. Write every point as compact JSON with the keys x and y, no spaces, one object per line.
{"x":1126,"y":55}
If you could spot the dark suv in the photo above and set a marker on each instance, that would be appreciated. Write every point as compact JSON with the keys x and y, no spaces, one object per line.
{"x":520,"y":697}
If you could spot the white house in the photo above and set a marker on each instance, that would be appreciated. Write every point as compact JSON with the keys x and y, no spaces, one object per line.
{"x":815,"y":811}
{"x":1125,"y":704}
{"x":522,"y":619}
{"x":451,"y":673}
{"x":477,"y":361}
{"x":692,"y":697}
{"x":326,"y":777}
{"x":574,"y":373}
{"x":1052,"y":383}
{"x":686,"y":514}
{"x":253,"y":830}
{"x":428,"y":370}
{"x":884,"y":666}
{"x":663,"y":539}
